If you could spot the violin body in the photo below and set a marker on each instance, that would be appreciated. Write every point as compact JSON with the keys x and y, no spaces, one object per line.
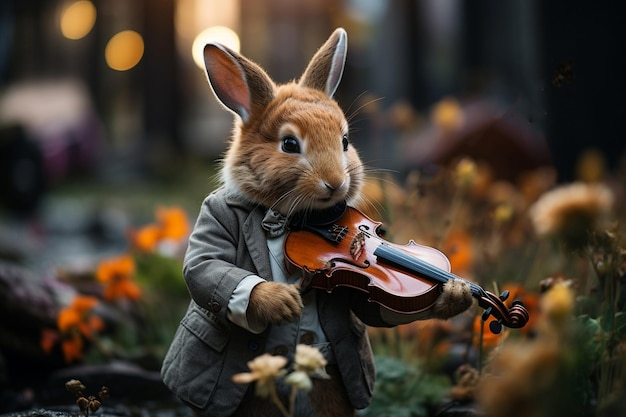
{"x":345,"y":257}
{"x":348,"y":250}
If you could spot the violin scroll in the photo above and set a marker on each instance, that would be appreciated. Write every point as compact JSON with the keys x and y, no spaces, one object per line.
{"x":515,"y":317}
{"x":343,"y":247}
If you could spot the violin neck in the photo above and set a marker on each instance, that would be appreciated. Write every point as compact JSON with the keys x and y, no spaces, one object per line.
{"x":422,"y":268}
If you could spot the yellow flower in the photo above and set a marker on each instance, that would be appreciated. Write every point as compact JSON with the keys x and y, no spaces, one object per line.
{"x":264,"y":370}
{"x":591,"y":166}
{"x":503,"y":213}
{"x":557,"y":305}
{"x":570,"y":212}
{"x":522,"y":379}
{"x":466,"y":172}
{"x":447,"y":115}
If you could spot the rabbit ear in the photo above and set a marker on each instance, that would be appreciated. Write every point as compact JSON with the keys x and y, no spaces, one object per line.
{"x":326,"y":67}
{"x":238,"y":83}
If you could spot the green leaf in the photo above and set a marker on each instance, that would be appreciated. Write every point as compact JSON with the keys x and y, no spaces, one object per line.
{"x":405,"y":390}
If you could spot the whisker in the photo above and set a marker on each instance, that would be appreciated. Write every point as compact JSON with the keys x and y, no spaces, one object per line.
{"x":375,"y":206}
{"x":351,"y":116}
{"x":281,"y":199}
{"x":356,"y":99}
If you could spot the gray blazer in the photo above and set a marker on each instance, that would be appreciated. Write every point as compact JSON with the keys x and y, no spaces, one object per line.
{"x":226,"y":245}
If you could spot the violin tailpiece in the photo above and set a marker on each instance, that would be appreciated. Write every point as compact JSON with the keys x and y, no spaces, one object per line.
{"x":334,"y":233}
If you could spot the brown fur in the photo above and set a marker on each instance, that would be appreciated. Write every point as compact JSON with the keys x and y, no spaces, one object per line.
{"x":274,"y":302}
{"x":254,"y":167}
{"x":455,"y":298}
{"x":257,"y":168}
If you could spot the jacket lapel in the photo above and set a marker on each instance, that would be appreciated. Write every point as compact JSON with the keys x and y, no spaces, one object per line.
{"x":255,"y":240}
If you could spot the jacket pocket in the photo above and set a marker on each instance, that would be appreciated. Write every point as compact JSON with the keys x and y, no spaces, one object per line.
{"x":195,"y":359}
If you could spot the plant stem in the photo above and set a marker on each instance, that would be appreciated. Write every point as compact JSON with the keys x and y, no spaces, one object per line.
{"x":276,"y":400}
{"x":480,"y":347}
{"x":455,"y":208}
{"x":292,"y":399}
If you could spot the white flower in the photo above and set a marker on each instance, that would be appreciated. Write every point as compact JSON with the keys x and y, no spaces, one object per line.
{"x":299,"y":380}
{"x":572,"y":211}
{"x":310,"y":360}
{"x":265,"y":370}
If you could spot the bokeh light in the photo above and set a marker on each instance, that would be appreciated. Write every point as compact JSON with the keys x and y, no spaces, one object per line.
{"x":78,"y":19}
{"x":124,"y":50}
{"x":221,"y":34}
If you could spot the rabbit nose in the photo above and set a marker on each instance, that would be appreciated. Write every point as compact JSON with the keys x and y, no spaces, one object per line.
{"x":333,"y":187}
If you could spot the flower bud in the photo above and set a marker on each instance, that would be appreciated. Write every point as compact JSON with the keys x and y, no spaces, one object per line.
{"x":82,"y":403}
{"x":94,"y":405}
{"x":103,"y":393}
{"x":75,"y":386}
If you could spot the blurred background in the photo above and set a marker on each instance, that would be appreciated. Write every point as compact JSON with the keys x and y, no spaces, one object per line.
{"x":107,"y":121}
{"x":112,"y":90}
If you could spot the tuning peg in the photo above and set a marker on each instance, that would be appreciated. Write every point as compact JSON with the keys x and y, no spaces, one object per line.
{"x":486,"y":314}
{"x":504,"y":295}
{"x":495,"y":326}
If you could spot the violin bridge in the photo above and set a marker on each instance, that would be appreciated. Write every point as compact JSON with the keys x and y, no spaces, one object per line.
{"x":357,"y":246}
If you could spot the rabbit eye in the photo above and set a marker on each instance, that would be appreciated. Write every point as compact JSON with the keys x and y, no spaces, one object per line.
{"x":345,"y":142}
{"x":290,"y":144}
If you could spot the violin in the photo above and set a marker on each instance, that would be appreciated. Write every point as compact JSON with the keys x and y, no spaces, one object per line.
{"x":341,"y":246}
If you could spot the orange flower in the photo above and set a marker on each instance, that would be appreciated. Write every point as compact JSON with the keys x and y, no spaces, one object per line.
{"x":72,"y":347}
{"x":490,"y":339}
{"x":174,"y":223}
{"x":147,"y":238}
{"x":458,"y":248}
{"x":76,"y":322}
{"x":78,"y":316}
{"x":116,"y":275}
{"x":49,"y":338}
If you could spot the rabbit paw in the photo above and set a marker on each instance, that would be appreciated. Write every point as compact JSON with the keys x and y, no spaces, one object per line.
{"x":455,"y":299}
{"x":273,"y":303}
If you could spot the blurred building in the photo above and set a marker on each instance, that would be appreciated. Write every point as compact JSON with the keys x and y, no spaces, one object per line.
{"x":555,"y":65}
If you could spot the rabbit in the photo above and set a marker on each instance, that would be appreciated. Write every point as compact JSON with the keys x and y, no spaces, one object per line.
{"x":289,"y":153}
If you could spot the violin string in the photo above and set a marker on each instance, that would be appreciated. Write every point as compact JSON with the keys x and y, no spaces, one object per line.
{"x":477,"y":291}
{"x":437,"y":273}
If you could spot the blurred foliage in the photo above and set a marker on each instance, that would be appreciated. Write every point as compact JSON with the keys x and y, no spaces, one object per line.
{"x":559,"y":248}
{"x":129,"y":306}
{"x":406,"y":390}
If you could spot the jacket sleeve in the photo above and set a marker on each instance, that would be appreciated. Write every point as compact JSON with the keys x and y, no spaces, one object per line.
{"x":210,"y":265}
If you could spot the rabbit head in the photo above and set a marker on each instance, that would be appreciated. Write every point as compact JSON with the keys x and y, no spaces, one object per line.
{"x":290,"y":149}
